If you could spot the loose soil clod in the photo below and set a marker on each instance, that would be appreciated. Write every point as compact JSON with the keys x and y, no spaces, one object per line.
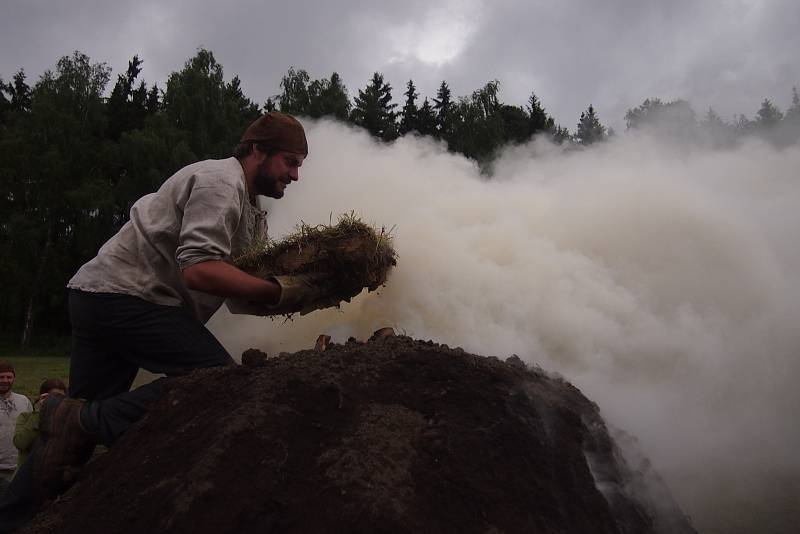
{"x":349,"y":256}
{"x":322,"y":342}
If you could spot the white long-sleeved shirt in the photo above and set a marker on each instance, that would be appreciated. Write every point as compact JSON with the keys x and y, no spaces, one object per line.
{"x":201,"y":213}
{"x":10,"y":408}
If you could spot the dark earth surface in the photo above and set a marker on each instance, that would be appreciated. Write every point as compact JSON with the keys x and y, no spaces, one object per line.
{"x":391,"y":435}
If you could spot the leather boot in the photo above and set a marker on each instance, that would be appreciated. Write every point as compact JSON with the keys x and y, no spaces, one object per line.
{"x":66,"y":445}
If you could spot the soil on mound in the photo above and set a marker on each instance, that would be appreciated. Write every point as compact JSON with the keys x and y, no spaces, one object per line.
{"x":392,"y":435}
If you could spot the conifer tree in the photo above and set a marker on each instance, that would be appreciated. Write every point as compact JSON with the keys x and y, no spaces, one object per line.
{"x":791,"y":120}
{"x":409,"y":115}
{"x":443,"y":106}
{"x":426,"y":119}
{"x":374,"y":110}
{"x":537,"y":118}
{"x":128,"y":106}
{"x":590,"y":130}
{"x":793,"y":113}
{"x":768,"y":115}
{"x":559,"y":134}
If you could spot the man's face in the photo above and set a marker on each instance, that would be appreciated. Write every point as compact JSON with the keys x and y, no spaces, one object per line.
{"x":6,"y":381}
{"x":276,"y":172}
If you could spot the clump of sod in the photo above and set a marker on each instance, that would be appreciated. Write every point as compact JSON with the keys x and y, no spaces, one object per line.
{"x":349,"y":256}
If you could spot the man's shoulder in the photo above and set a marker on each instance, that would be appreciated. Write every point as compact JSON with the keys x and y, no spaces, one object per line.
{"x":225,"y":170}
{"x":210,"y":173}
{"x":21,"y":401}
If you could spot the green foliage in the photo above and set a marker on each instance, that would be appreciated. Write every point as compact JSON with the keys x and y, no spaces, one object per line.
{"x":409,"y":116}
{"x":212,"y":112}
{"x":128,"y":104}
{"x":329,"y":98}
{"x":426,"y":119}
{"x":538,"y":120}
{"x":515,"y":124}
{"x":590,"y":130}
{"x":768,"y":115}
{"x":675,"y":118}
{"x":315,"y":99}
{"x":294,"y":98}
{"x":443,"y":106}
{"x":374,"y":110}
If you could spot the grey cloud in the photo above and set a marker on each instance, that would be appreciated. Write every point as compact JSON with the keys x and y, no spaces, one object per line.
{"x":614,"y":54}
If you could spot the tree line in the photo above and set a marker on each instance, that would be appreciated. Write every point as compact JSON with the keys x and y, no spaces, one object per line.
{"x":73,"y":160}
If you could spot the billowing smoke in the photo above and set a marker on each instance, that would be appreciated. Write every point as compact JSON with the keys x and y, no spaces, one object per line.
{"x":664,"y":283}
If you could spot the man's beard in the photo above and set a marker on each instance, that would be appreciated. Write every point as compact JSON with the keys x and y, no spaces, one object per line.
{"x":267,"y":184}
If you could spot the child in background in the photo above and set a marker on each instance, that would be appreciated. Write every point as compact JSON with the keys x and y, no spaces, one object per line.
{"x":27,"y":429}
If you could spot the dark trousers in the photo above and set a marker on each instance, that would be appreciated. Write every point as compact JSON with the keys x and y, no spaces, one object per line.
{"x":112,"y":337}
{"x":115,"y":335}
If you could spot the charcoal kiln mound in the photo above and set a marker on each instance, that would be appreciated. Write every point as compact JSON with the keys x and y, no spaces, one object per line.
{"x":389,"y":435}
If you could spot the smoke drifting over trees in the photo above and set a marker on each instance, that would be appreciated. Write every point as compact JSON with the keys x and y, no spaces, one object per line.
{"x":74,"y":160}
{"x":657,"y":268}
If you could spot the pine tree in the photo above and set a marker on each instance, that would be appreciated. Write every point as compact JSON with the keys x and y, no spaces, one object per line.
{"x":719,"y":131}
{"x":768,"y":115}
{"x":791,"y":120}
{"x":409,"y":115}
{"x":374,"y":110}
{"x":537,"y":118}
{"x":590,"y":130}
{"x":793,"y":113}
{"x":127,"y":106}
{"x":426,"y":119}
{"x":153,"y":100}
{"x":21,"y":94}
{"x":559,"y":134}
{"x":18,"y":97}
{"x":443,"y":106}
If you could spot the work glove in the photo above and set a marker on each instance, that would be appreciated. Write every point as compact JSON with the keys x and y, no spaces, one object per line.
{"x":302,"y":293}
{"x":300,"y":290}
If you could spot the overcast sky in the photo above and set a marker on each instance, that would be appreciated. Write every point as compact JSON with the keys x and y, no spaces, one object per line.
{"x":729,"y":54}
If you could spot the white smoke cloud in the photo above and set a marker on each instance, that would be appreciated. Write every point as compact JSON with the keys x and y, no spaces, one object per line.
{"x":664,"y":284}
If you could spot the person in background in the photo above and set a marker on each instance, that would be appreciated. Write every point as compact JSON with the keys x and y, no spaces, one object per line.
{"x":11,"y":406}
{"x":27,"y":429}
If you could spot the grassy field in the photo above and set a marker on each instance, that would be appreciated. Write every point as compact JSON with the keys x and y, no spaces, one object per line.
{"x":33,"y":370}
{"x":34,"y":365}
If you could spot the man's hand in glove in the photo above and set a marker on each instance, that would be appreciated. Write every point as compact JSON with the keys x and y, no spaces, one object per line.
{"x":300,"y":290}
{"x":299,"y":293}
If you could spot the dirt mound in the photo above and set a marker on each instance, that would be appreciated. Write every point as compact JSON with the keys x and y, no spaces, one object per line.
{"x":392,"y":435}
{"x":349,"y":255}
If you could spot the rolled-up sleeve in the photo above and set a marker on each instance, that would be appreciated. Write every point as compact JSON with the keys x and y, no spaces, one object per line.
{"x":211,"y":216}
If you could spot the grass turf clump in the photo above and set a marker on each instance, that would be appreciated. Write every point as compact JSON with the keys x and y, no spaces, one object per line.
{"x":350,"y":255}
